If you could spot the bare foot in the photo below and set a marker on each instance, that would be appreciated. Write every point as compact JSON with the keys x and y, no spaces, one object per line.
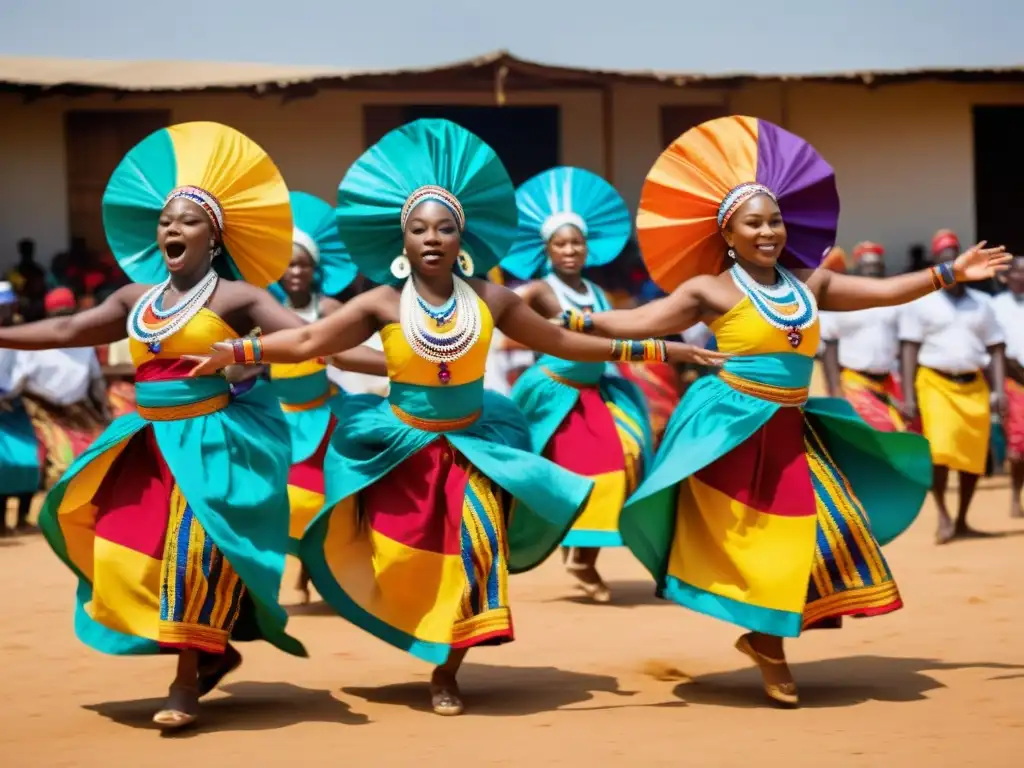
{"x":964,"y":531}
{"x":1015,"y":509}
{"x":444,"y":694}
{"x":946,"y":531}
{"x":180,"y":710}
{"x":590,"y":581}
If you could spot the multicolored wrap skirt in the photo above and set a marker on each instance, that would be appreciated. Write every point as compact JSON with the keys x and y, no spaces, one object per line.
{"x":592,"y":423}
{"x":767,"y":509}
{"x":433,"y":497}
{"x":20,"y":455}
{"x":176,"y":519}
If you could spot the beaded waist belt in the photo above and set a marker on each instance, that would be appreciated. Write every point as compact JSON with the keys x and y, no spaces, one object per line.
{"x":434,"y":425}
{"x":790,"y":396}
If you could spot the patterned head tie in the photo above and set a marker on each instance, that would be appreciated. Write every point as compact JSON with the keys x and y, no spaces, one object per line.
{"x":439,"y":195}
{"x":737,"y":196}
{"x":556,"y":221}
{"x":204,"y":200}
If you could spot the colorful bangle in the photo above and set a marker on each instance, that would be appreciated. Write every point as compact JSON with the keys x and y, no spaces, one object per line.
{"x":580,"y":322}
{"x":247,"y":351}
{"x":646,"y":351}
{"x":943,"y":275}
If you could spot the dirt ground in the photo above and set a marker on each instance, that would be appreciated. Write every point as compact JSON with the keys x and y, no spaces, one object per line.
{"x":638,"y":682}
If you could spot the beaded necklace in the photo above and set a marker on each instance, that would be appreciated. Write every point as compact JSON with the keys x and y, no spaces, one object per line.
{"x":787,"y":305}
{"x":569,"y":297}
{"x":150,"y":323}
{"x":440,"y":342}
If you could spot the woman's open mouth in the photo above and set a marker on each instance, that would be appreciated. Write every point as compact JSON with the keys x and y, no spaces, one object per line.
{"x":432,"y":258}
{"x":174,"y":252}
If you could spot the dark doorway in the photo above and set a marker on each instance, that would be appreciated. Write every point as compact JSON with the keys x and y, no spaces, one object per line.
{"x":998,"y":170}
{"x":525,"y":138}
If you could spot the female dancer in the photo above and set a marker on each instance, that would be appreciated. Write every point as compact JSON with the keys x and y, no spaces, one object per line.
{"x":319,"y":270}
{"x":583,"y":416}
{"x":764,"y":508}
{"x":433,"y":495}
{"x":176,"y":519}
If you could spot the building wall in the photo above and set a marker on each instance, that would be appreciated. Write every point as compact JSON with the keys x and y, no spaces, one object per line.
{"x":903,"y":154}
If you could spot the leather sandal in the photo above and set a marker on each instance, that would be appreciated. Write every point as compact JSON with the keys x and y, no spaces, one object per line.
{"x":781,"y":693}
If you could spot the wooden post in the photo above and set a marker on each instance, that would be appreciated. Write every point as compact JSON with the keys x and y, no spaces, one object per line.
{"x":608,"y":131}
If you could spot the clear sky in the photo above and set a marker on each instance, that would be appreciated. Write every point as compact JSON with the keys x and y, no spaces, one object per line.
{"x":776,"y":36}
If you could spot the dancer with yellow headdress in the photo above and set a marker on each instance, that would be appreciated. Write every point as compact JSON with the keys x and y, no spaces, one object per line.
{"x":176,"y":519}
{"x":433,"y":494}
{"x":765,"y":508}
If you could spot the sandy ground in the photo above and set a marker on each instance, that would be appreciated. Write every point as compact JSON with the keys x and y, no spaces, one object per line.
{"x":639,"y":682}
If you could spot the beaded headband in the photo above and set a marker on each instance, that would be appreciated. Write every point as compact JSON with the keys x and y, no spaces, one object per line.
{"x":556,"y":221}
{"x":437,"y":194}
{"x":204,"y":200}
{"x":308,"y":244}
{"x":738,"y":196}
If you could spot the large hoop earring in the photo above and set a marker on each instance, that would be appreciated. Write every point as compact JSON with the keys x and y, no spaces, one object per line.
{"x":401,"y":267}
{"x":465,"y":261}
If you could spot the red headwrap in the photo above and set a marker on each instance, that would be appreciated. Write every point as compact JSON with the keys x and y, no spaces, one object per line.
{"x":60,"y":299}
{"x":943,"y":239}
{"x":865,"y":248}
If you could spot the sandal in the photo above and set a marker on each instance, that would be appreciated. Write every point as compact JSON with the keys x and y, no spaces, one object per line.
{"x":210,"y":675}
{"x":173,"y":718}
{"x":781,"y":693}
{"x":445,"y":700}
{"x":596,"y":590}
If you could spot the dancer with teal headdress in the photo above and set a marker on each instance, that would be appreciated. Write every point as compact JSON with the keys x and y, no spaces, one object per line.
{"x":433,"y":494}
{"x":585,"y":417}
{"x":176,"y":519}
{"x":319,"y":271}
{"x":764,"y":507}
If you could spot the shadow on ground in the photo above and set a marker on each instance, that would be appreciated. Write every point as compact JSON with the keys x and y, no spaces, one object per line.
{"x":251,"y":706}
{"x":504,"y":691}
{"x":842,"y":682}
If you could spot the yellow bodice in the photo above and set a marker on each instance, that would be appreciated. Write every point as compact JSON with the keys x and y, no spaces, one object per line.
{"x":406,"y":367}
{"x":742,"y":331}
{"x":195,"y":338}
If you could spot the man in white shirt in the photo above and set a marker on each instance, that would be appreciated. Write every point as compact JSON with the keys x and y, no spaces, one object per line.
{"x":948,"y":338}
{"x":1009,"y":310}
{"x":862,"y":349}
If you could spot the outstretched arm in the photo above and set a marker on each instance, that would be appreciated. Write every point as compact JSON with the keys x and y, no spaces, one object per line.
{"x":662,"y":317}
{"x":516,"y":320}
{"x":103,"y":324}
{"x":837,"y":292}
{"x":350,"y":326}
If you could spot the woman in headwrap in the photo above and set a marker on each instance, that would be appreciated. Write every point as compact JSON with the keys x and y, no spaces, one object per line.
{"x":765,"y":508}
{"x":583,"y":416}
{"x":320,"y":269}
{"x":433,"y":495}
{"x":176,"y":519}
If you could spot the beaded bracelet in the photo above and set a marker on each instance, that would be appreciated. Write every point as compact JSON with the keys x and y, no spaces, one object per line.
{"x":943,"y":275}
{"x":247,"y":351}
{"x":580,"y":322}
{"x":648,"y":350}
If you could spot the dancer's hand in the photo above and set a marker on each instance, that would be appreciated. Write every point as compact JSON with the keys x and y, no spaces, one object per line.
{"x":981,"y":263}
{"x":908,"y":411}
{"x":678,"y":352}
{"x":221,"y":355}
{"x":1000,"y":405}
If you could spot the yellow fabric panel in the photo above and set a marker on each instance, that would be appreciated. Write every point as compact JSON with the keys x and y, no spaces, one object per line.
{"x":295,"y":370}
{"x":742,"y":331}
{"x":77,"y":515}
{"x":376,"y":571}
{"x":724,"y":547}
{"x":196,"y":338}
{"x":406,"y":367}
{"x":605,"y":503}
{"x":249,"y":187}
{"x":304,"y":505}
{"x":956,"y":419}
{"x":126,"y":590}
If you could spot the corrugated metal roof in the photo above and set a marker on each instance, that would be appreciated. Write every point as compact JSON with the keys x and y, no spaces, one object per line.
{"x":37,"y":73}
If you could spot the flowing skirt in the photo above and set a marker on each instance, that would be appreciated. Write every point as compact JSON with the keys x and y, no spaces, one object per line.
{"x":63,"y":431}
{"x":956,"y":418}
{"x":873,"y":400}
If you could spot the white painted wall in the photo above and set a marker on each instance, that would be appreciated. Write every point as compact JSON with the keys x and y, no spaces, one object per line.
{"x":903,"y":154}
